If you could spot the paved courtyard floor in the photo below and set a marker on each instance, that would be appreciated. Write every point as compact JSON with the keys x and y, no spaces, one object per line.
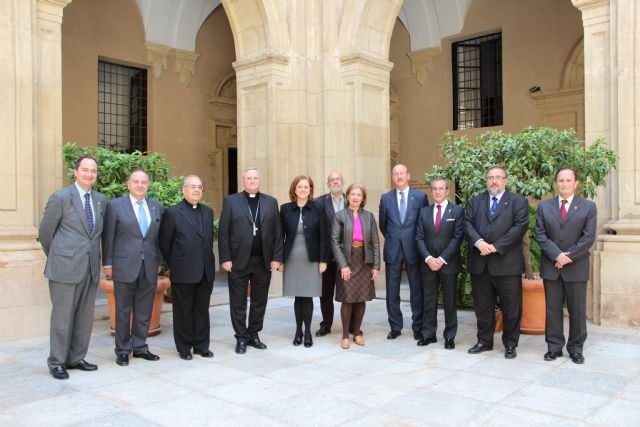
{"x":384,"y":383}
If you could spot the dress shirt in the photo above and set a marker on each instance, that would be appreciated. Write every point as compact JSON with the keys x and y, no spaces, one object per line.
{"x":406,"y":197}
{"x":82,"y":193}
{"x":339,"y":205}
{"x":443,"y":207}
{"x":134,"y":205}
{"x":568,"y":199}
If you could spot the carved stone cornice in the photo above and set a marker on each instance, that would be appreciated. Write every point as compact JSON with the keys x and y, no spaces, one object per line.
{"x":157,"y":55}
{"x":421,"y":61}
{"x":51,"y":10}
{"x":185,"y":64}
{"x":589,"y":4}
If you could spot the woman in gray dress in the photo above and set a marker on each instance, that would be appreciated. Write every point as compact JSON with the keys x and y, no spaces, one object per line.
{"x":306,"y":251}
{"x":356,"y":248}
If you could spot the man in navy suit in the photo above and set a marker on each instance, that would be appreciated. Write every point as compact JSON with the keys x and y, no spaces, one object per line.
{"x":131,"y":256}
{"x":566,"y":230}
{"x":250,"y":244}
{"x":398,"y":214}
{"x":495,"y":223}
{"x":439,"y":235}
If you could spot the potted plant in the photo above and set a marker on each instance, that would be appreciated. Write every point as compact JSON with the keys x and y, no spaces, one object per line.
{"x":114,"y":168}
{"x":531,"y":158}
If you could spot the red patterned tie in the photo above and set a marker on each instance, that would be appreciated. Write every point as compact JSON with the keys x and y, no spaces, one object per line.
{"x":438,"y":218}
{"x":563,"y":210}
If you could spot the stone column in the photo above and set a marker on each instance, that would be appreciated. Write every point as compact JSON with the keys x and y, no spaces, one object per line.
{"x":612,"y":110}
{"x":31,"y":166}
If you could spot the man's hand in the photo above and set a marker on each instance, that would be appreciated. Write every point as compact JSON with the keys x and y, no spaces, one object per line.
{"x":374,"y":274}
{"x":485,"y":248}
{"x":226,"y":266}
{"x":108,"y":272}
{"x":562,"y":260}
{"x":322,"y":267}
{"x":275,"y":265}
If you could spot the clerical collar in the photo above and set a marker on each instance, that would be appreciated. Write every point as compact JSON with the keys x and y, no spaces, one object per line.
{"x":252,"y":196}
{"x":194,"y":207}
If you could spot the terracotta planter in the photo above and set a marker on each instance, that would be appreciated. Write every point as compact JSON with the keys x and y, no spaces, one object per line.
{"x":499,"y":320}
{"x":154,"y":325}
{"x":534,"y":312}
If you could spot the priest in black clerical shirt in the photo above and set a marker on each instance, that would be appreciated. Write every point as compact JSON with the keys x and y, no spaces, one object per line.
{"x":250,"y":245}
{"x":186,"y":242}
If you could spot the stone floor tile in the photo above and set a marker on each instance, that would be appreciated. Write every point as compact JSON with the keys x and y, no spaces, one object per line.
{"x":501,"y":416}
{"x":555,"y":401}
{"x":142,"y":391}
{"x":258,"y":392}
{"x":608,"y":384}
{"x":314,"y":409}
{"x":478,"y":387}
{"x":620,"y":413}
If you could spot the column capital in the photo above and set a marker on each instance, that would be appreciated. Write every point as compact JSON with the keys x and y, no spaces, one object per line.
{"x":157,"y":57}
{"x":421,"y":61}
{"x":185,"y":64}
{"x":589,"y":4}
{"x":51,"y":10}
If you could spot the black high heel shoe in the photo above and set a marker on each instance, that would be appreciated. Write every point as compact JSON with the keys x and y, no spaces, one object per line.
{"x":308,"y":341}
{"x":297,"y":339}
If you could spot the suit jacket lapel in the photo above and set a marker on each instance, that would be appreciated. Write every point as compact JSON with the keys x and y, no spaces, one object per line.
{"x":128,"y":210}
{"x":393,"y":196}
{"x":502,"y":204}
{"x":97,"y":209}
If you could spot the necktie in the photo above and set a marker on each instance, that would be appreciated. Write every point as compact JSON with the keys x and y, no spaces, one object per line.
{"x":563,"y":210}
{"x":142,"y":218}
{"x":494,"y":205}
{"x":88,"y":213}
{"x":438,"y":218}
{"x":403,"y":206}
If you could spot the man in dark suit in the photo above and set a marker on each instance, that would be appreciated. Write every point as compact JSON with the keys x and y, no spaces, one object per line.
{"x":398,"y":214}
{"x":332,"y":202}
{"x":495,"y":223}
{"x":132,"y":258}
{"x":250,"y":246}
{"x":186,"y":243}
{"x":70,"y":233}
{"x":566,"y":230}
{"x":439,"y":236}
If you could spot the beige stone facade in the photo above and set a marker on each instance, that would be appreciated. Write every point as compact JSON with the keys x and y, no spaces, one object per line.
{"x":308,"y":87}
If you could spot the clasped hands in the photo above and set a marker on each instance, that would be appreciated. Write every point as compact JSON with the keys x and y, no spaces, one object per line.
{"x":345,"y":273}
{"x":486,"y":248}
{"x":563,"y":259}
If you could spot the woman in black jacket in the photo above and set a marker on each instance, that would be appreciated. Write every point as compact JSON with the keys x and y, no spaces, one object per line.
{"x":306,"y":251}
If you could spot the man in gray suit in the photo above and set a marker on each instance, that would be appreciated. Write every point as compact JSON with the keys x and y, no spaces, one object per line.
{"x":132,"y":257}
{"x":70,"y":237}
{"x":566,"y":230}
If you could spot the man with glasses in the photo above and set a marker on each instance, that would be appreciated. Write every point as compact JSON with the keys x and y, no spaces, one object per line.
{"x":495,"y":223}
{"x":186,"y":242}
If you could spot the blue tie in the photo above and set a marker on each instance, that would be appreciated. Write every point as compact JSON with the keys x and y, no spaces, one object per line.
{"x":494,"y":205}
{"x":403,"y":207}
{"x":142,"y":218}
{"x":88,"y":212}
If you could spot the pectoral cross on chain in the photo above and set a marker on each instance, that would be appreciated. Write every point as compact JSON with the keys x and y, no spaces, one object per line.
{"x":255,"y":229}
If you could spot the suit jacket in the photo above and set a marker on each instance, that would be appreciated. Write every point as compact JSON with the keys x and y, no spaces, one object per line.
{"x":575,"y":235}
{"x":316,"y":234}
{"x":187,"y":247}
{"x":235,"y":233}
{"x":123,"y":244}
{"x":400,"y":237}
{"x":504,"y":230}
{"x":326,"y":202}
{"x":342,"y":235}
{"x":65,"y":239}
{"x":446,"y":242}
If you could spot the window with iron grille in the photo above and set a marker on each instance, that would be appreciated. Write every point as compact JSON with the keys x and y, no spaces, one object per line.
{"x":477,"y":82}
{"x":122,"y":107}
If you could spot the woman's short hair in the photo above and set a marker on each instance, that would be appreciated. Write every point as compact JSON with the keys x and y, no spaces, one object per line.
{"x":294,"y":184}
{"x":362,"y":188}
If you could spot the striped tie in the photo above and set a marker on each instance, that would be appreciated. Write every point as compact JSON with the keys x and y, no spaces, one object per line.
{"x":88,"y":212}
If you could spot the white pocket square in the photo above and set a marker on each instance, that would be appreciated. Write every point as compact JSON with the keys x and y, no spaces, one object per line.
{"x":451,"y":219}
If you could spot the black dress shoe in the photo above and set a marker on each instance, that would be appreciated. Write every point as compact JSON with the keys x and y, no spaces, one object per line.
{"x":206,"y":353}
{"x":449,"y":344}
{"x":297,"y":338}
{"x":308,"y":342}
{"x":479,"y":348}
{"x":122,"y":359}
{"x":392,"y":335}
{"x":147,"y":355}
{"x":426,"y":341}
{"x":323,"y":331}
{"x":241,"y":347}
{"x":418,"y":336}
{"x":186,"y":356}
{"x":510,"y":352}
{"x":552,"y":355}
{"x":256,"y":343}
{"x":83,"y":365}
{"x":59,"y":372}
{"x":577,"y":358}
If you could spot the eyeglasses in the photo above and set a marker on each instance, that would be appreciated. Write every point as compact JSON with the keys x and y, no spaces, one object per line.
{"x":194,"y":187}
{"x":496,"y":178}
